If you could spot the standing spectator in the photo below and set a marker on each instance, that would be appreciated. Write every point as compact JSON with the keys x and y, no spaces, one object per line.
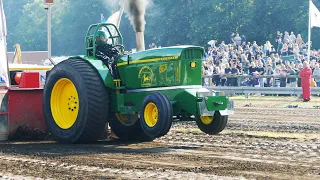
{"x":283,"y":72}
{"x":233,"y":34}
{"x":243,"y":40}
{"x":292,"y":37}
{"x":222,"y":75}
{"x":261,"y":72}
{"x":253,"y":71}
{"x":299,"y":69}
{"x":286,"y":36}
{"x":228,"y":72}
{"x":280,"y":45}
{"x":299,"y":40}
{"x":245,"y":66}
{"x":305,"y":75}
{"x":292,"y":81}
{"x":216,"y":76}
{"x":237,"y":40}
{"x":269,"y":72}
{"x":267,"y":48}
{"x":204,"y":73}
{"x":279,"y":36}
{"x":234,"y":72}
{"x":316,"y":72}
{"x":210,"y":70}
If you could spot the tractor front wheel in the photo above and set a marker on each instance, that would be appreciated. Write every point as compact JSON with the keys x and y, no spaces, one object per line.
{"x":212,"y":124}
{"x":127,"y":127}
{"x":75,"y":102}
{"x":156,"y":115}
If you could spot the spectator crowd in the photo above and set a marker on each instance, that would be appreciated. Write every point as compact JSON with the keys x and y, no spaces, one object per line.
{"x":284,"y":56}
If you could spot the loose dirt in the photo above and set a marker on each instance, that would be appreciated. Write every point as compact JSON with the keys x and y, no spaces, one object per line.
{"x":261,"y":141}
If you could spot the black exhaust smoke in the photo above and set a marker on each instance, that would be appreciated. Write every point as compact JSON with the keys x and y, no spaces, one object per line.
{"x":136,"y":10}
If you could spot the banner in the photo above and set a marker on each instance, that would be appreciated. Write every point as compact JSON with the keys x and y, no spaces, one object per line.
{"x":314,"y":15}
{"x":4,"y":80}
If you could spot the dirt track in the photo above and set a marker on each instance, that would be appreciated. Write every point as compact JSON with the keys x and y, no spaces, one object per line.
{"x":259,"y":143}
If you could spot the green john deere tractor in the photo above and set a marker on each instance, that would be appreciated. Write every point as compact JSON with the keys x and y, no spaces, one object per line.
{"x":149,"y":90}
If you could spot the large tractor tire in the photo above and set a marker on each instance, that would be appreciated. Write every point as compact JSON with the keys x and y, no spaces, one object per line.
{"x":75,"y":102}
{"x":212,"y":124}
{"x":128,"y":128}
{"x":156,"y":115}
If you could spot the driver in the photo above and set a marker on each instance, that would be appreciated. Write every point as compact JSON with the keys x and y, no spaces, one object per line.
{"x":107,"y":53}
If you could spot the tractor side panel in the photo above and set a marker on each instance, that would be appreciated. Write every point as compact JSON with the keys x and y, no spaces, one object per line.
{"x":191,"y":67}
{"x":164,"y":74}
{"x":155,"y":74}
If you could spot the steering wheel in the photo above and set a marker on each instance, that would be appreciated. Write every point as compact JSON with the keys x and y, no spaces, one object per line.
{"x":120,"y":47}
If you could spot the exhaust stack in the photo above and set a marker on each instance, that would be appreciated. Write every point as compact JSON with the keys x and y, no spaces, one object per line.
{"x":140,"y":41}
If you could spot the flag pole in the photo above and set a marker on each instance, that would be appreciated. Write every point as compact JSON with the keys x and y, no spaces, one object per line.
{"x":120,"y":15}
{"x":4,"y":42}
{"x":309,"y":31}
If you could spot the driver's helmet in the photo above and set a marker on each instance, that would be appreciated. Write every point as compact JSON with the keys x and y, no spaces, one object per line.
{"x":101,"y":38}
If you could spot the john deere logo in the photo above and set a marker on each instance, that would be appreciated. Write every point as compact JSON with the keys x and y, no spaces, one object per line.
{"x":163,"y":68}
{"x":146,"y":75}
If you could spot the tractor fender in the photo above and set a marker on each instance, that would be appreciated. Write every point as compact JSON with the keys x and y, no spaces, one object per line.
{"x":101,"y":68}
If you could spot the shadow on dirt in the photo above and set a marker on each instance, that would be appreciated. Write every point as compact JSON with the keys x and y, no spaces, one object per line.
{"x":54,"y":149}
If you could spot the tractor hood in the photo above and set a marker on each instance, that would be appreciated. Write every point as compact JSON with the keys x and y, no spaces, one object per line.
{"x":162,"y":67}
{"x":162,"y":54}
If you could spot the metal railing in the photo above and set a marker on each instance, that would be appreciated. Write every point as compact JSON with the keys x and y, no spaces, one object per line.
{"x":240,"y":78}
{"x":250,"y":89}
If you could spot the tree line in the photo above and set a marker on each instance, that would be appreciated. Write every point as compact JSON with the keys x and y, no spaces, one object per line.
{"x":169,"y":22}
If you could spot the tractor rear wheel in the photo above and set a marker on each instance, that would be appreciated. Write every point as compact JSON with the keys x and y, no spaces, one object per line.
{"x":156,"y":115}
{"x":75,"y":102}
{"x":127,"y":127}
{"x":212,"y":124}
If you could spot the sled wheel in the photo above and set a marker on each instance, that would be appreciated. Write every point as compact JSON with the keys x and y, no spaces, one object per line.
{"x":128,"y":128}
{"x":212,"y":124}
{"x":75,"y":102}
{"x":156,"y":115}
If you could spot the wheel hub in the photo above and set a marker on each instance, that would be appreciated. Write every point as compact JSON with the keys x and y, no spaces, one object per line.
{"x":151,"y":114}
{"x":127,"y":119}
{"x":64,"y":103}
{"x":206,"y":119}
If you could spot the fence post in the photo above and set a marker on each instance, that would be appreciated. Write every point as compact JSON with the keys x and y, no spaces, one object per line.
{"x":273,"y":81}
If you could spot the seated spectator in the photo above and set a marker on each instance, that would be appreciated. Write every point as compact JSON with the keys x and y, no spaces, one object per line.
{"x":316,"y":72}
{"x":313,"y":83}
{"x":284,"y":50}
{"x":277,"y":79}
